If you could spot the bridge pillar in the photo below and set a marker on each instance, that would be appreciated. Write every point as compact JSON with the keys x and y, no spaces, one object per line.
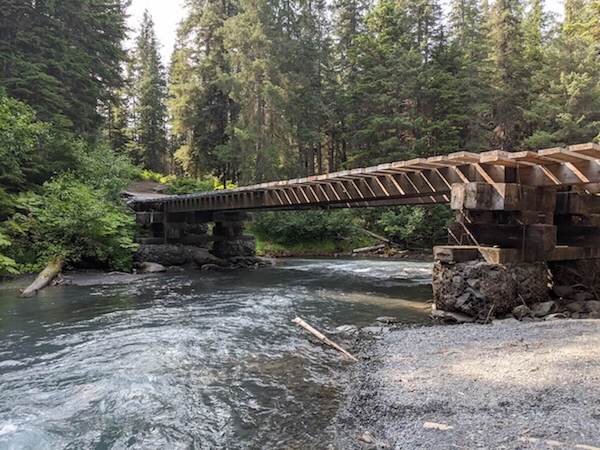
{"x":510,"y":243}
{"x":229,"y":238}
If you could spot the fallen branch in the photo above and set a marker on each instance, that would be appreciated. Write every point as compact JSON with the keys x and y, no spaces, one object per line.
{"x":379,"y":237}
{"x":322,"y":337}
{"x":369,"y":249}
{"x":45,"y":277}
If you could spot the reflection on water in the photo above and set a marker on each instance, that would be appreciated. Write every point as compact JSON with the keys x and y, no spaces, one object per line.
{"x":189,"y":359}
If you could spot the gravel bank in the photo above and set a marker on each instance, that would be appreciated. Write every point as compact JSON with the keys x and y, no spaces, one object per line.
{"x":509,"y":385}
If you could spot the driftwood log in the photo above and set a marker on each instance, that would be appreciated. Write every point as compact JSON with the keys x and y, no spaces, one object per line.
{"x":374,"y":248}
{"x":323,"y":338}
{"x":45,"y":277}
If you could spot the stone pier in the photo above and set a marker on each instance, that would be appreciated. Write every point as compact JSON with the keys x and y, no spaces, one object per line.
{"x":206,"y":239}
{"x":513,"y":245}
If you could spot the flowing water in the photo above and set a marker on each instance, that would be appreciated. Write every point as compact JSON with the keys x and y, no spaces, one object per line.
{"x":189,"y":359}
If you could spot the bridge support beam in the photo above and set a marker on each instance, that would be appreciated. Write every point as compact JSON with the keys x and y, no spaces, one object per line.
{"x":229,"y":238}
{"x":509,"y":244}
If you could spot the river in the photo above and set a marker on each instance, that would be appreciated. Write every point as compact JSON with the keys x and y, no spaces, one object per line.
{"x":190,"y":359}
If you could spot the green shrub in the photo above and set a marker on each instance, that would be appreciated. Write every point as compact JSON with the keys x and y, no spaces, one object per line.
{"x":31,"y":151}
{"x":8,"y":266}
{"x":103,"y":169}
{"x":304,"y":226}
{"x":415,"y":226}
{"x":75,"y":221}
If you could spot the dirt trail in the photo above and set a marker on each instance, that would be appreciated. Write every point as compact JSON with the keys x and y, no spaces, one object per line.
{"x":509,"y":385}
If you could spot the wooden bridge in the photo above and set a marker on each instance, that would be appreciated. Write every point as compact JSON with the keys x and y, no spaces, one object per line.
{"x":418,"y":181}
{"x":527,"y":205}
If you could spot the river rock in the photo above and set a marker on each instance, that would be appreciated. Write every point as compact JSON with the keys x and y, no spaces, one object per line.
{"x":576,"y":307}
{"x":543,"y":309}
{"x":556,"y":316}
{"x":583,"y":296}
{"x":387,"y":320}
{"x":233,"y":248}
{"x":475,"y":288}
{"x":450,"y":317}
{"x":563,"y":291}
{"x":148,"y":267}
{"x":167,"y":255}
{"x":521,"y":311}
{"x":346,"y":329}
{"x":201,"y":256}
{"x":592,"y":306}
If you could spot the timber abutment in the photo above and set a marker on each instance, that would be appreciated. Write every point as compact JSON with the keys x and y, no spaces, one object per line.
{"x":522,"y":250}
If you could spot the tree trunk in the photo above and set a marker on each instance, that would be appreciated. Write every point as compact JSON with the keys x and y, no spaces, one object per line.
{"x":45,"y":277}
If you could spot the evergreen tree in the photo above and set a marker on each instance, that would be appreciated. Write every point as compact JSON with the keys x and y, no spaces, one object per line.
{"x":63,"y":57}
{"x":567,"y":107}
{"x":258,"y":89}
{"x":149,"y":93}
{"x":468,"y":62}
{"x":202,"y":109}
{"x":509,"y":80}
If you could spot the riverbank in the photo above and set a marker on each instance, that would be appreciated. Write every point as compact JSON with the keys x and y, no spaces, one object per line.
{"x":509,"y":385}
{"x":335,"y":249}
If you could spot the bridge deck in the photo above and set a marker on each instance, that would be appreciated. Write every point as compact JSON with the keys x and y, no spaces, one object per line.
{"x":418,"y":181}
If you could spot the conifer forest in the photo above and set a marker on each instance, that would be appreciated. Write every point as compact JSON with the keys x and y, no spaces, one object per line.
{"x":260,"y":90}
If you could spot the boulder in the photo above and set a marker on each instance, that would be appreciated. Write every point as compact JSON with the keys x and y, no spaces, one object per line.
{"x":167,"y":255}
{"x":521,"y":311}
{"x":149,"y":267}
{"x":592,"y":306}
{"x":543,"y":309}
{"x":583,"y":296}
{"x":576,"y":307}
{"x":202,"y":257}
{"x":233,"y":248}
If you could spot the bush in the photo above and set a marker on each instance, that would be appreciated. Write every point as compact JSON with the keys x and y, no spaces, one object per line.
{"x":75,"y":221}
{"x":8,"y":266}
{"x":103,"y":169}
{"x":181,"y":186}
{"x":415,"y":226}
{"x":304,"y":226}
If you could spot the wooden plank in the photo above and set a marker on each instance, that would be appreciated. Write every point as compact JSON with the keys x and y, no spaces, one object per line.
{"x":455,"y":253}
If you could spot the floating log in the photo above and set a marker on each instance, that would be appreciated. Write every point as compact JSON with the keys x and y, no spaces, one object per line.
{"x":323,"y":338}
{"x":45,"y":277}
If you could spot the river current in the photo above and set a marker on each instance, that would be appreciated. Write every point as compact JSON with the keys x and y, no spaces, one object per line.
{"x":190,"y":359}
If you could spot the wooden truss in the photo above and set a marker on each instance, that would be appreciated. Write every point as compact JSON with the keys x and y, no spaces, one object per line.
{"x":414,"y":182}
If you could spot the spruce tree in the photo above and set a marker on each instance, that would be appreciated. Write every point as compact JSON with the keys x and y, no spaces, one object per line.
{"x":149,"y":93}
{"x":63,"y":57}
{"x":509,"y":78}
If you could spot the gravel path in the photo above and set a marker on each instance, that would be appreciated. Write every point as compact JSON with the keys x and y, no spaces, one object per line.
{"x":509,"y":385}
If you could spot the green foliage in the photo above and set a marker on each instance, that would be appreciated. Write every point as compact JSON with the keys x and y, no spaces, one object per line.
{"x":190,"y":185}
{"x":149,"y":93}
{"x":63,"y":57}
{"x":8,"y":266}
{"x":76,"y":221}
{"x":306,"y":226}
{"x":104,"y":170}
{"x":416,"y":227}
